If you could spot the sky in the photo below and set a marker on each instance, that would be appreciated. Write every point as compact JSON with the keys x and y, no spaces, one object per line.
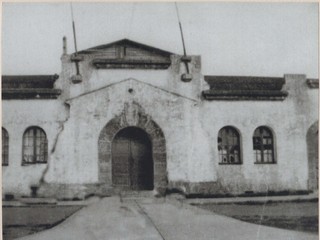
{"x":243,"y":39}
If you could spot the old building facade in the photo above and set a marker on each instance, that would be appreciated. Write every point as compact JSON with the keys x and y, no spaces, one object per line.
{"x":135,"y":120}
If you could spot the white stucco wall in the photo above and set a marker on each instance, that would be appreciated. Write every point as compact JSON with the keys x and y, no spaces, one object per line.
{"x":94,"y":79}
{"x":17,"y":116}
{"x":289,"y":120}
{"x":190,"y":126}
{"x":91,"y":112}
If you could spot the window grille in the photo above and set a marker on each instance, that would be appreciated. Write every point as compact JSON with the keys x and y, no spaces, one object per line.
{"x":5,"y":147}
{"x":229,"y":146}
{"x":35,"y":146}
{"x":263,"y":145}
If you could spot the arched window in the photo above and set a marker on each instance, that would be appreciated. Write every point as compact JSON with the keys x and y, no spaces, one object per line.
{"x":263,"y":145}
{"x":35,"y":146}
{"x":229,"y":146}
{"x":5,"y":147}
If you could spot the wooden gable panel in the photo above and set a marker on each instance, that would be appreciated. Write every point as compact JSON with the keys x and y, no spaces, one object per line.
{"x":128,"y":54}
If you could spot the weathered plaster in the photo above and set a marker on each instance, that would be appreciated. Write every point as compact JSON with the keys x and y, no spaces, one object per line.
{"x":19,"y":115}
{"x":183,"y":128}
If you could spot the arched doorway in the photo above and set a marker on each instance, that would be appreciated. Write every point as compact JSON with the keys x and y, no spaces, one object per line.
{"x":132,"y":163}
{"x":133,"y":116}
{"x":313,"y":164}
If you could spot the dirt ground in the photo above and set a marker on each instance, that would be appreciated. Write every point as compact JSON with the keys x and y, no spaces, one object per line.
{"x":25,"y":220}
{"x":300,"y":216}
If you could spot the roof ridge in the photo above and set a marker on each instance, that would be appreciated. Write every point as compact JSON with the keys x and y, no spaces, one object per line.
{"x":138,"y":44}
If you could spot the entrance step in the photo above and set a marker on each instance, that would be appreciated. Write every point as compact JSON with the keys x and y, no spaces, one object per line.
{"x":140,"y":196}
{"x":136,"y":194}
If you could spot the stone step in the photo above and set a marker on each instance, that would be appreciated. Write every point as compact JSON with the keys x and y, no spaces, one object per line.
{"x":143,"y":200}
{"x":136,"y":194}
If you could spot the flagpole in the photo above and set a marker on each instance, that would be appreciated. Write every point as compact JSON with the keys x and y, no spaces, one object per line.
{"x":77,"y":78}
{"x":184,"y":59}
{"x":74,"y":30}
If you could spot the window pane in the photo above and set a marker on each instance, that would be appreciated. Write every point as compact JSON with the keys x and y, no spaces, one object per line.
{"x":258,"y":156}
{"x":35,"y":146}
{"x":263,"y":141}
{"x":228,"y":146}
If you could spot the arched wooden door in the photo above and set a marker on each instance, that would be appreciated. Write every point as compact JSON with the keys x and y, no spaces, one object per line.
{"x":132,"y":164}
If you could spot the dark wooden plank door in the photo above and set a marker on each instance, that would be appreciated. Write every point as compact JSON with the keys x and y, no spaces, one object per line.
{"x":132,"y":165}
{"x":120,"y":163}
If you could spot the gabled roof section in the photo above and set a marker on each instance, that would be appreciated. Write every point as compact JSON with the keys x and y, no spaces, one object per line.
{"x":29,"y":87}
{"x":128,"y":54}
{"x":126,"y":42}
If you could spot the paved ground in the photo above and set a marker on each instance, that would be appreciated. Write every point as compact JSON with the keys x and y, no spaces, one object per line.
{"x":169,"y":219}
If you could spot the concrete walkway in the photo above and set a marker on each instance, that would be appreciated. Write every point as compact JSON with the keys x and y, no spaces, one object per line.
{"x":169,"y":219}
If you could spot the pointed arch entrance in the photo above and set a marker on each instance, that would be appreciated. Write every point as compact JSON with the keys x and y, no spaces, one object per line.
{"x":132,"y":128}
